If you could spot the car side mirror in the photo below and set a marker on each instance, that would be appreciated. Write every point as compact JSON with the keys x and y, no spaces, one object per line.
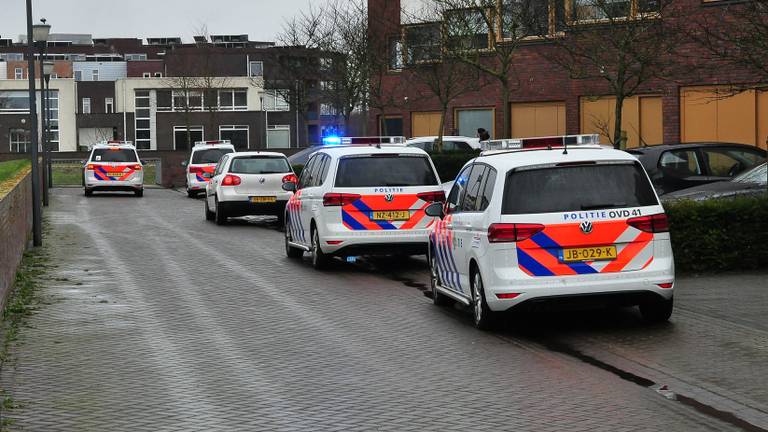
{"x":207,"y":175}
{"x":289,"y":187}
{"x":184,"y":164}
{"x":435,"y":210}
{"x":82,"y":162}
{"x":143,"y":162}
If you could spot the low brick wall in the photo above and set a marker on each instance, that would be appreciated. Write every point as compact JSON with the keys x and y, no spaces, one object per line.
{"x":15,"y":231}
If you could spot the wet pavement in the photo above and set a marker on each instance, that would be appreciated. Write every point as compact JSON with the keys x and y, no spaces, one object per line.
{"x":156,"y":320}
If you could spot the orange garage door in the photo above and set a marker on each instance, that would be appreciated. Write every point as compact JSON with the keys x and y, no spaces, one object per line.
{"x":538,"y":119}
{"x":425,"y":123}
{"x":641,"y":119}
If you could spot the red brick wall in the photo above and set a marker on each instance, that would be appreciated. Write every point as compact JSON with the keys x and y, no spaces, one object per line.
{"x":538,"y":80}
{"x":15,"y":230}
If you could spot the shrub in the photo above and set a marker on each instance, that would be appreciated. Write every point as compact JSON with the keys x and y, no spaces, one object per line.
{"x":718,"y":235}
{"x":448,"y":164}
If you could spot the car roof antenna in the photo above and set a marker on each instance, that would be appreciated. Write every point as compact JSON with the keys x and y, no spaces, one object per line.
{"x":565,"y":145}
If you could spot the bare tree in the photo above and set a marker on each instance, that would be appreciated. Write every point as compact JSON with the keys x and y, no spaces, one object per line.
{"x":622,"y":45}
{"x":737,"y":35}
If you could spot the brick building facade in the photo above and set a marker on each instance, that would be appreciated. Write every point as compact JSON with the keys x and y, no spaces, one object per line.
{"x":546,"y":101}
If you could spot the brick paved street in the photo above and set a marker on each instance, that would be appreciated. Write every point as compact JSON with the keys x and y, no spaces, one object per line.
{"x":160,"y":321}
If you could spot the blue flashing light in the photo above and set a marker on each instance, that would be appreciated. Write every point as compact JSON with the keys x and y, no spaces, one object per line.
{"x":331,"y":140}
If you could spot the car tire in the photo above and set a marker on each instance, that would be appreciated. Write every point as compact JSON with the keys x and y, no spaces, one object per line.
{"x":290,"y":251}
{"x":139,"y":193}
{"x":319,"y":259}
{"x":483,"y":317}
{"x":88,"y":192}
{"x":209,"y":215}
{"x":191,"y":194}
{"x":434,"y":278}
{"x":657,"y":311}
{"x":219,"y":216}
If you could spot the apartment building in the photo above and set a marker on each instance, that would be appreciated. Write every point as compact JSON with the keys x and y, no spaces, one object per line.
{"x":546,"y":101}
{"x":164,"y":94}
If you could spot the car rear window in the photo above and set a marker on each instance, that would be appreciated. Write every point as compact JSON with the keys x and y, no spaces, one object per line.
{"x":575,"y":188}
{"x":385,"y":170}
{"x":259,"y":165}
{"x":114,"y":155}
{"x":209,"y":155}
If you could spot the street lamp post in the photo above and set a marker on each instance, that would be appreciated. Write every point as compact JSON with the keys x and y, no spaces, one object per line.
{"x":47,"y":71}
{"x":43,"y":112}
{"x":37,"y":32}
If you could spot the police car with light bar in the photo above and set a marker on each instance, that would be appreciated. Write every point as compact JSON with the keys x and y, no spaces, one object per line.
{"x":556,"y":220}
{"x":203,"y":159}
{"x":362,"y":196}
{"x":113,"y":166}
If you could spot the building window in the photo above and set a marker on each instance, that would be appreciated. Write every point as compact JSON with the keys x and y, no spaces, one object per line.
{"x":158,"y":74}
{"x":233,"y":100}
{"x":95,"y":75}
{"x":395,"y":50}
{"x":18,"y":73}
{"x":279,"y":136}
{"x":326,"y":85}
{"x":146,"y":75}
{"x":274,"y":100}
{"x":602,"y":10}
{"x":238,"y":135}
{"x":187,"y":100}
{"x":391,"y":125}
{"x":466,"y":29}
{"x":422,"y":43}
{"x":78,"y":75}
{"x":54,"y":76}
{"x":256,"y":69}
{"x":143,"y":115}
{"x":326,"y":63}
{"x":109,"y":105}
{"x":184,"y":139}
{"x":328,"y":110}
{"x":53,"y":112}
{"x":14,"y":101}
{"x":135,"y":57}
{"x":470,"y":120}
{"x":20,"y":142}
{"x":86,"y":105}
{"x":12,"y":56}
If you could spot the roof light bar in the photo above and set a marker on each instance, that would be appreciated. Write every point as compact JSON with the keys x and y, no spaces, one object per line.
{"x":541,"y":142}
{"x":212,"y":142}
{"x":370,"y":140}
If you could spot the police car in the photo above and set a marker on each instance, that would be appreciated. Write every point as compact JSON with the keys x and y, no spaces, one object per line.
{"x":113,"y":166}
{"x":248,"y":183}
{"x":551,"y":220}
{"x":362,"y":199}
{"x":203,"y":159}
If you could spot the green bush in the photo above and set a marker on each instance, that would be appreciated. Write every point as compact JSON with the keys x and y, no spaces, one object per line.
{"x":718,"y":235}
{"x":448,"y":164}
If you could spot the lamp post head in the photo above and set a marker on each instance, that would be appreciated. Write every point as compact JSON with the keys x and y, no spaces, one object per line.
{"x":47,"y":68}
{"x":40,"y":32}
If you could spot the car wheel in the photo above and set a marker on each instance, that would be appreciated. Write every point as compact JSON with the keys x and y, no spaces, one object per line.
{"x":220,"y":217}
{"x":657,"y":311}
{"x":319,"y":259}
{"x":139,"y":193}
{"x":191,"y":193}
{"x":209,"y":215}
{"x":437,"y":298}
{"x":484,"y":317}
{"x":88,"y":192}
{"x":290,"y":251}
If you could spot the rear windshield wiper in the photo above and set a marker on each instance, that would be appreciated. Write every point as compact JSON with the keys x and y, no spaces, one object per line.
{"x":603,"y":206}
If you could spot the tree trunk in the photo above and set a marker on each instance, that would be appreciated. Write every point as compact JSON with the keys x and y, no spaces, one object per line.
{"x":505,"y":110}
{"x":439,"y":141}
{"x":617,"y":136}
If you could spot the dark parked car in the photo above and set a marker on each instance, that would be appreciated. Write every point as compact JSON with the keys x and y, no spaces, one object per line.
{"x":301,"y":157}
{"x":680,"y":166}
{"x":754,"y":181}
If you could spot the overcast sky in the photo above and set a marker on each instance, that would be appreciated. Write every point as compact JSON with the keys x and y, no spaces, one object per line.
{"x":260,"y":19}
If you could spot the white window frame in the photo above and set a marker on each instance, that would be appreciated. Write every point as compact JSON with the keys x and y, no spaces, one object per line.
{"x":146,"y":75}
{"x":78,"y":75}
{"x":279,"y":128}
{"x":232,"y":107}
{"x":18,"y":73}
{"x":270,"y":98}
{"x":94,"y":75}
{"x":18,"y":142}
{"x":187,"y":94}
{"x":246,"y":128}
{"x":86,"y":108}
{"x":140,"y":142}
{"x":191,"y":128}
{"x":158,"y":74}
{"x":109,"y":105}
{"x":251,"y":63}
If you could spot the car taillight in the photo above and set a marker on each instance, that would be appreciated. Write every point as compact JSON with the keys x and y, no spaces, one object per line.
{"x":137,"y":167}
{"x":512,"y":232}
{"x":657,"y":223}
{"x":195,"y":170}
{"x":436,"y":196}
{"x":339,"y":199}
{"x":231,"y":180}
{"x":290,"y":178}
